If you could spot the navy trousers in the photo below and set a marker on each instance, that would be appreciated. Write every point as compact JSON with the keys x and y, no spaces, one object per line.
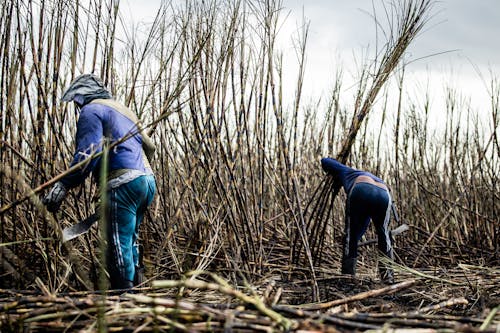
{"x":364,"y":202}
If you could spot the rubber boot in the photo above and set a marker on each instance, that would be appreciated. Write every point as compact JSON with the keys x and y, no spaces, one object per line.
{"x":385,"y":271}
{"x":122,"y":284}
{"x":139,"y":276}
{"x":349,"y":266}
{"x":386,"y":275}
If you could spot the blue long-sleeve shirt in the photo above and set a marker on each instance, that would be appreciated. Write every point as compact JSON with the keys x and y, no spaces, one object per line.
{"x":345,"y":174}
{"x":96,"y":122}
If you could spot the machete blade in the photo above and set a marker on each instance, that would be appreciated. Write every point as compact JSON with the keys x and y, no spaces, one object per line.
{"x":80,"y":228}
{"x":399,"y":230}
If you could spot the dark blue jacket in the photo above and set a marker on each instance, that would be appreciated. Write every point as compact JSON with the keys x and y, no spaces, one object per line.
{"x":345,"y":174}
{"x":96,"y":122}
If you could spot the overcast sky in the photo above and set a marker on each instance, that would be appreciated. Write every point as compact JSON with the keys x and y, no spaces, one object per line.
{"x":471,"y":27}
{"x":467,"y":32}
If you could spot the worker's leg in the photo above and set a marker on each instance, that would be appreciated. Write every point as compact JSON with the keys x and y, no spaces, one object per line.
{"x":356,"y":223}
{"x":381,"y":217}
{"x":124,"y":203}
{"x":149,"y":187}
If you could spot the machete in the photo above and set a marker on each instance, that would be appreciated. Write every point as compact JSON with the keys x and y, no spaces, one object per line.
{"x":80,"y":228}
{"x":399,"y":230}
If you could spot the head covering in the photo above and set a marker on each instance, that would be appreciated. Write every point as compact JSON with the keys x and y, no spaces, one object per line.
{"x":84,"y":89}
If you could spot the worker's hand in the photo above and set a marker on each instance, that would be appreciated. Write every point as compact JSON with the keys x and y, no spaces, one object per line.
{"x":54,"y":198}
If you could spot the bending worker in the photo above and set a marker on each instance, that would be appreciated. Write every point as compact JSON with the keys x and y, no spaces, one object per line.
{"x":367,"y":198}
{"x":131,"y":184}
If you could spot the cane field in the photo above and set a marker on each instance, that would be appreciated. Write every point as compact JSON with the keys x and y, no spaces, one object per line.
{"x":245,"y":231}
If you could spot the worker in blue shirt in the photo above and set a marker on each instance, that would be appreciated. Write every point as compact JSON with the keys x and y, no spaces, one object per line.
{"x":367,"y":198}
{"x":130,"y":183}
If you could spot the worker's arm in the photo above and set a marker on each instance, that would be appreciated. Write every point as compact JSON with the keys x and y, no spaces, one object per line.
{"x":332,"y":166}
{"x":89,"y":136}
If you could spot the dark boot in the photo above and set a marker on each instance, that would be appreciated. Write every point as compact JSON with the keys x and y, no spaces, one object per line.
{"x":385,"y":271}
{"x":139,"y":276}
{"x":349,"y":266}
{"x":121,"y":284}
{"x":386,"y":275}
